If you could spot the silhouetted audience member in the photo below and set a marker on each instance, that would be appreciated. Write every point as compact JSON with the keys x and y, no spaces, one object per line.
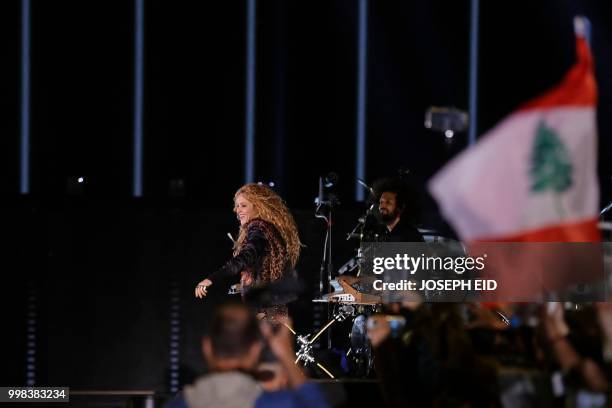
{"x":232,"y":350}
{"x":431,"y":362}
{"x":577,"y":347}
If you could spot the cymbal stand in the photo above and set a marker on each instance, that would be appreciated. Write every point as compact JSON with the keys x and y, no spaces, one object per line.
{"x":305,"y":343}
{"x":326,"y":201}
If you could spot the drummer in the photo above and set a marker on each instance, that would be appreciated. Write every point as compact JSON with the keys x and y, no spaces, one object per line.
{"x":397,"y":207}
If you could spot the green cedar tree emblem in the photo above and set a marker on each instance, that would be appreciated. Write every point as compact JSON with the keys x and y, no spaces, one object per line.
{"x":551,"y":168}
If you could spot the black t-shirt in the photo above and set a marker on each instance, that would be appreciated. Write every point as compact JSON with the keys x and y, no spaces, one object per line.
{"x":404,"y":232}
{"x":376,"y":231}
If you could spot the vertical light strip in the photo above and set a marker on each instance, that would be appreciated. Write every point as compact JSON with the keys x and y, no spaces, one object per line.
{"x":138,"y":96}
{"x":31,"y":338}
{"x":24,"y":148}
{"x":175,"y":328}
{"x":473,"y":90}
{"x":362,"y":48}
{"x":249,"y":126}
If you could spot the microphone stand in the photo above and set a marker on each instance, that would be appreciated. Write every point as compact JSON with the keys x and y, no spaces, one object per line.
{"x":326,"y":262}
{"x":361,"y":221}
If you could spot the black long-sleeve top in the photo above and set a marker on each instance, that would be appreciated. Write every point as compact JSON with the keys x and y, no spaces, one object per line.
{"x":250,"y":256}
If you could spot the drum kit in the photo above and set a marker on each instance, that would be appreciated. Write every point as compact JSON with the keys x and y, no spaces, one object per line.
{"x":349,"y":301}
{"x":346,"y":297}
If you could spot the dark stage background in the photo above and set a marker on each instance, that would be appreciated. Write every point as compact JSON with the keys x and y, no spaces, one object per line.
{"x":101,"y":276}
{"x":101,"y":265}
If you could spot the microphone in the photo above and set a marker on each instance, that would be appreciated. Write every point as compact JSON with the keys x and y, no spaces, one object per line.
{"x":331,"y":179}
{"x":327,"y":182}
{"x":319,"y":199}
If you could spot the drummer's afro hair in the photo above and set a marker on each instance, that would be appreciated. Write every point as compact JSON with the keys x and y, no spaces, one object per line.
{"x":406,"y":196}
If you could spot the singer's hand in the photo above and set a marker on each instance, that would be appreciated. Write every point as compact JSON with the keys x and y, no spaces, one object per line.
{"x":200,"y":290}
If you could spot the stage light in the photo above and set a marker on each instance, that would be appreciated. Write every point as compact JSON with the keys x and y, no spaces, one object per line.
{"x":443,"y":119}
{"x":75,"y":185}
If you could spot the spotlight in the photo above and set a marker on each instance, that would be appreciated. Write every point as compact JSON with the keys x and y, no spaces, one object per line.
{"x":75,"y":185}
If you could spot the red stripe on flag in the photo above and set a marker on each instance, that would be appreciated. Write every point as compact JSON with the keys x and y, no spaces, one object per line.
{"x":578,"y":87}
{"x":585,"y":231}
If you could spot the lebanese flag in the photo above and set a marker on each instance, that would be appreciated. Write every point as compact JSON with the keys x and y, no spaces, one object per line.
{"x":533,"y":176}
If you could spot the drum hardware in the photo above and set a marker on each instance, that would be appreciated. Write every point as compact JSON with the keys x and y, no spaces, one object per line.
{"x":326,"y":200}
{"x":351,"y":264}
{"x":360,"y":354}
{"x":357,"y":231}
{"x":352,"y":303}
{"x":305,"y":343}
{"x":349,"y":294}
{"x":347,"y":283}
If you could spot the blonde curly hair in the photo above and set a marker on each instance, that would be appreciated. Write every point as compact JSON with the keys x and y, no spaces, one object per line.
{"x":270,"y":207}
